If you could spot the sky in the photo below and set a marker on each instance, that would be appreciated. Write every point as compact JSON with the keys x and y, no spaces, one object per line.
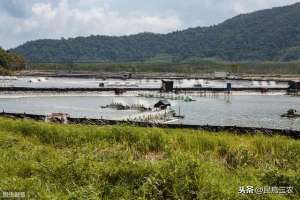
{"x":25,"y":20}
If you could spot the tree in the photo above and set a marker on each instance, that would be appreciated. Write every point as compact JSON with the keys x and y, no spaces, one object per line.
{"x":11,"y":61}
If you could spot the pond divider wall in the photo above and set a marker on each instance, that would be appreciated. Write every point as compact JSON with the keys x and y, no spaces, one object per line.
{"x":30,"y":89}
{"x":231,"y":129}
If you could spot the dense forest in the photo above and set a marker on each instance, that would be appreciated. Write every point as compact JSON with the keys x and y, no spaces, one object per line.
{"x":267,"y":35}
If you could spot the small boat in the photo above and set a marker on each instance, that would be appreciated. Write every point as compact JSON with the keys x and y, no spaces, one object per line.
{"x":291,"y":113}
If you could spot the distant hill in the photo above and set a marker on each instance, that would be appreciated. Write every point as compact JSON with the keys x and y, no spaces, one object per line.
{"x":272,"y":34}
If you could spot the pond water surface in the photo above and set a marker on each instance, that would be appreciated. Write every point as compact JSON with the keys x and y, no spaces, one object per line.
{"x":239,"y":110}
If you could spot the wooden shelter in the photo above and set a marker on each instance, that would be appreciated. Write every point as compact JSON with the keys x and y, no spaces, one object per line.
{"x":167,"y":86}
{"x":294,"y":85}
{"x":162,"y":104}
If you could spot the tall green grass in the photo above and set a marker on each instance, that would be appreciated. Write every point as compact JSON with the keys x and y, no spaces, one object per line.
{"x":124,"y":162}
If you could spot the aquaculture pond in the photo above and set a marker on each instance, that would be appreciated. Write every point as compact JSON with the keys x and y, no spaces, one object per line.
{"x":240,"y":110}
{"x":35,"y":82}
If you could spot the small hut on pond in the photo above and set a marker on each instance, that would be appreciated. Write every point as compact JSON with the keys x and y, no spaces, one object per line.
{"x":294,"y":85}
{"x":167,"y":86}
{"x":294,"y":88}
{"x":162,"y":104}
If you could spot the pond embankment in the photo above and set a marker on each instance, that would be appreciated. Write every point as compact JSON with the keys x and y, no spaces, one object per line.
{"x":232,"y":129}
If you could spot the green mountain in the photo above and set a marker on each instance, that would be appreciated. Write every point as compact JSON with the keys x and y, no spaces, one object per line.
{"x":272,"y":34}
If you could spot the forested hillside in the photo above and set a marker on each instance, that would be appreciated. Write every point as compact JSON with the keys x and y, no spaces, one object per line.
{"x":10,"y":61}
{"x":272,"y":34}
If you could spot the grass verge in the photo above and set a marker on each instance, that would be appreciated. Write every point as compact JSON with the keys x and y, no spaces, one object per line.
{"x":124,"y":162}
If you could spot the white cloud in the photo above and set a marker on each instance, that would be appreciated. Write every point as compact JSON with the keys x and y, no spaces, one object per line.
{"x":69,"y":22}
{"x":38,"y":19}
{"x":47,"y":21}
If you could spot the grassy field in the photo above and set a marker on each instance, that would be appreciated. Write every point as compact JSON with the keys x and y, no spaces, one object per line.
{"x":124,"y":162}
{"x":188,"y":67}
